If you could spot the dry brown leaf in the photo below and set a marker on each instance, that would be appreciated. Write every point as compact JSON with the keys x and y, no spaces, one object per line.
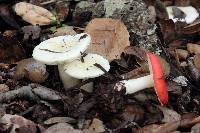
{"x":54,"y":120}
{"x":3,"y":88}
{"x":16,"y":122}
{"x":182,"y":54}
{"x":34,"y":14}
{"x":62,"y":128}
{"x":96,"y":126}
{"x":192,"y":28}
{"x":62,"y":31}
{"x":109,"y":37}
{"x":31,"y":30}
{"x":197,"y":61}
{"x":193,"y":48}
{"x":31,"y":69}
{"x":182,"y":2}
{"x":165,"y":65}
{"x":169,"y":115}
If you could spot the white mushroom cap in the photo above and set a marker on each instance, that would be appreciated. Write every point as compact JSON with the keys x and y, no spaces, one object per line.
{"x":85,"y":68}
{"x":61,"y":49}
{"x":190,"y":12}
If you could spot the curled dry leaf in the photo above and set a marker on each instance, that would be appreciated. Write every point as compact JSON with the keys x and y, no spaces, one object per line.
{"x":197,"y":61}
{"x":34,"y":14}
{"x":31,"y":69}
{"x":109,"y":37}
{"x":15,"y":122}
{"x":62,"y":128}
{"x":193,"y":48}
{"x":192,"y":28}
{"x":54,"y":120}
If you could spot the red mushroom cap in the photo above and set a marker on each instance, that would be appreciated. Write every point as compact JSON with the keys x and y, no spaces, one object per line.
{"x":158,"y":76}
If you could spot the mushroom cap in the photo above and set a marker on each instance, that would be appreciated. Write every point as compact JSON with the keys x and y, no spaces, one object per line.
{"x":85,"y":68}
{"x":158,"y":77}
{"x":61,"y":49}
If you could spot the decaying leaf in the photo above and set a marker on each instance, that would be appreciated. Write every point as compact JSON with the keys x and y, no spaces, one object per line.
{"x":54,"y":120}
{"x":194,"y":72}
{"x":96,"y":126}
{"x":192,"y":28}
{"x":30,"y":30}
{"x":109,"y":37}
{"x":46,"y":93}
{"x":3,"y":88}
{"x":15,"y":122}
{"x":62,"y":128}
{"x":169,"y":115}
{"x":62,"y":31}
{"x":31,"y":69}
{"x":197,"y":61}
{"x":11,"y":50}
{"x":34,"y":14}
{"x":193,"y":48}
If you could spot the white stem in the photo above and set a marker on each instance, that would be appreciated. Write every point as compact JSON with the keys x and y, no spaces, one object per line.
{"x":67,"y":80}
{"x":134,"y":85}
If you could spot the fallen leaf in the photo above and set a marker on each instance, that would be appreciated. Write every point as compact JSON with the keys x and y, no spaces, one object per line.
{"x":62,"y":9}
{"x":11,"y":50}
{"x":109,"y":37}
{"x":46,"y":93}
{"x":3,"y":88}
{"x":192,"y":28}
{"x":197,"y":61}
{"x":169,"y":115}
{"x":62,"y":31}
{"x":31,"y":69}
{"x":195,"y":128}
{"x":193,"y":48}
{"x":34,"y":14}
{"x":14,"y":122}
{"x":168,"y":30}
{"x":54,"y":120}
{"x":96,"y":126}
{"x":62,"y":128}
{"x":182,"y":2}
{"x":30,"y":30}
{"x":194,"y":72}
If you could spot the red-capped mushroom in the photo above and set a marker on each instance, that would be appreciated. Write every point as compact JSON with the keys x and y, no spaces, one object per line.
{"x":156,"y":79}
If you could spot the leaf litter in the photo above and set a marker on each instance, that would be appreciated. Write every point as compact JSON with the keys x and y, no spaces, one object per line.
{"x":37,"y":98}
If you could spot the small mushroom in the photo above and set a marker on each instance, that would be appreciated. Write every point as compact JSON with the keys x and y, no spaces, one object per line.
{"x":184,"y":14}
{"x":62,"y":50}
{"x":156,"y":79}
{"x":89,"y":66}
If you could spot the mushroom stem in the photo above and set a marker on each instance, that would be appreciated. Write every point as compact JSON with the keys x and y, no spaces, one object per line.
{"x":134,"y":85}
{"x":67,"y":80}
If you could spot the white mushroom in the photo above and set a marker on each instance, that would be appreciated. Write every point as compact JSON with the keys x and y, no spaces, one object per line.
{"x":62,"y":50}
{"x":89,"y":66}
{"x":86,"y":67}
{"x":191,"y":14}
